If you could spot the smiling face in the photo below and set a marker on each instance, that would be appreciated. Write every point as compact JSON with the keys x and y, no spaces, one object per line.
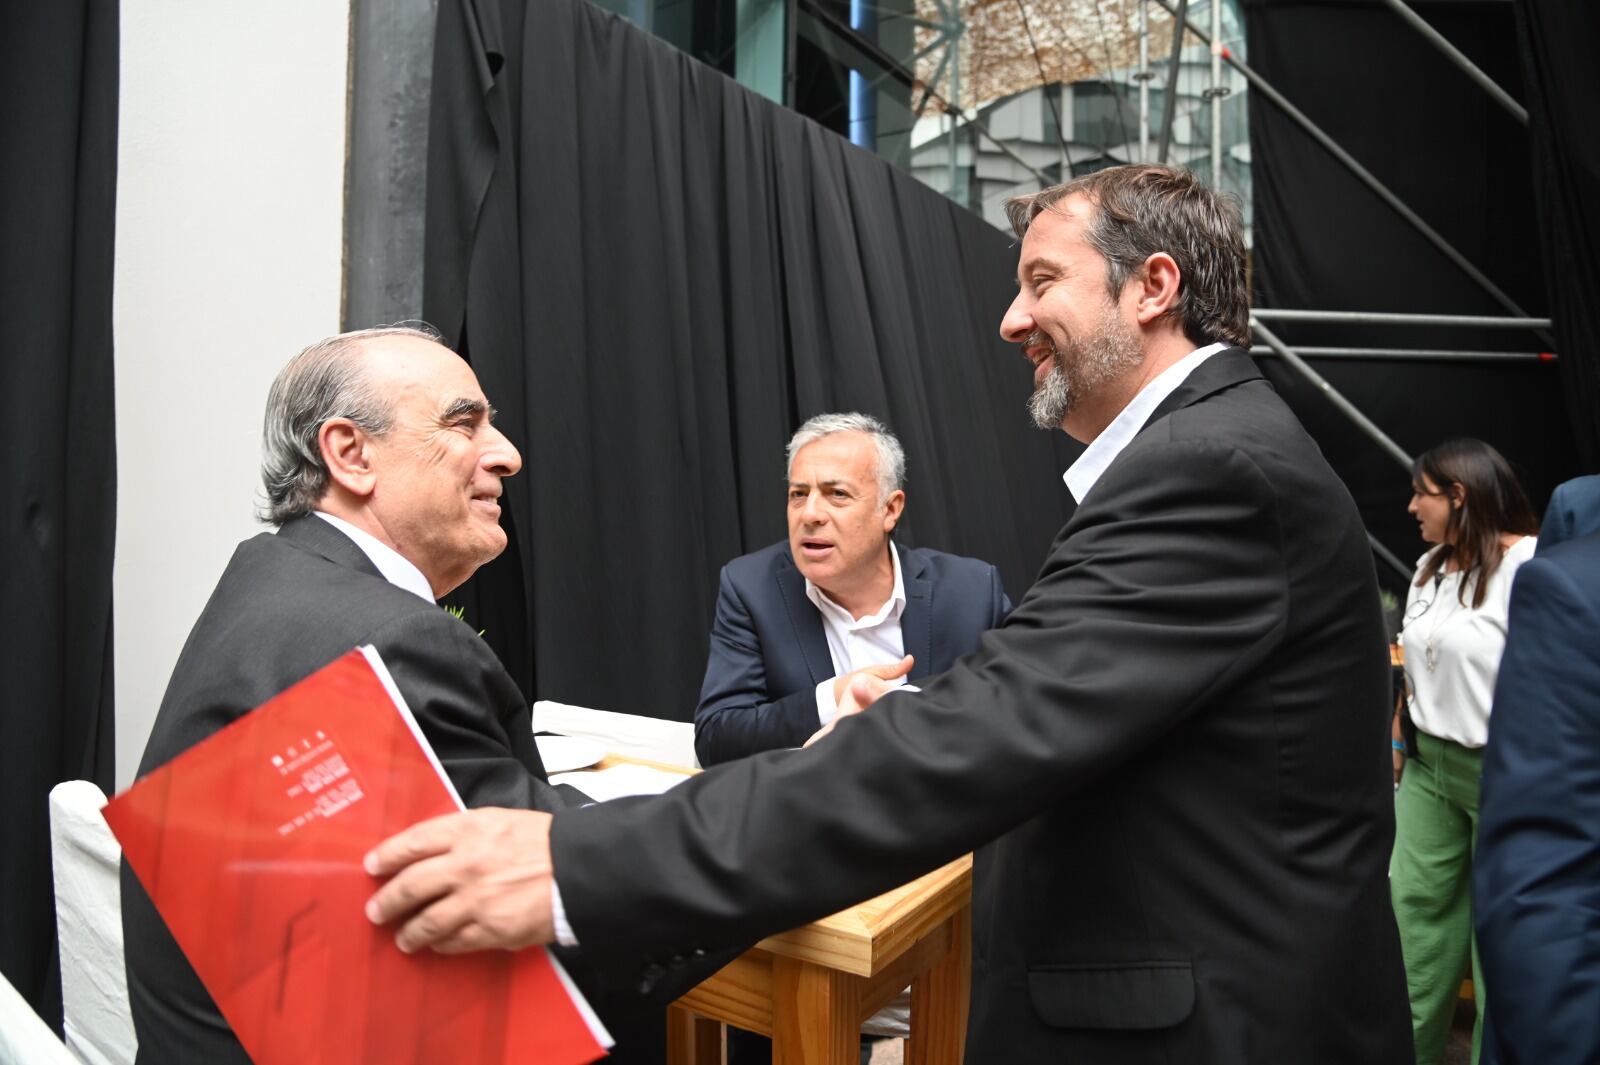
{"x":838,"y":527}
{"x":437,"y":472}
{"x":1432,"y":507}
{"x":1083,"y":343}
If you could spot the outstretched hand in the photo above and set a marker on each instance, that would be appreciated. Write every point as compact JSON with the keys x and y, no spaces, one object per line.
{"x":467,"y":881}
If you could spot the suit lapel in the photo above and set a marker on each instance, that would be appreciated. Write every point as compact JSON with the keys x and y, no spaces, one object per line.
{"x":807,"y":622}
{"x":916,"y":629}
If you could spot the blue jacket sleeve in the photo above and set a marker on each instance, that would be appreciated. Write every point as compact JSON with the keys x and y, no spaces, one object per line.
{"x":1537,"y":867}
{"x":736,"y":716}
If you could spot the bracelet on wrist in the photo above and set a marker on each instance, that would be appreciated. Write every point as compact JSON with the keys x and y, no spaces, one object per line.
{"x":1398,"y":745}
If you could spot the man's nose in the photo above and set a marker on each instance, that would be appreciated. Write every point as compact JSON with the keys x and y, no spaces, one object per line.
{"x":1018,"y":320}
{"x":500,"y":455}
{"x":811,"y":511}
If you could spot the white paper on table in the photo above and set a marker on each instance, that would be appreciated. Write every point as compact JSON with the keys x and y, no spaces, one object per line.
{"x":619,"y":780}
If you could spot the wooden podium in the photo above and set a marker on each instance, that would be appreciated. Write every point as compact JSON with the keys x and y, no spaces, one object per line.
{"x":810,"y":989}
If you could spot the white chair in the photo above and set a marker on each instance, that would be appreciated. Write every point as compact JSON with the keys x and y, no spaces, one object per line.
{"x":94,"y":983}
{"x":24,"y":1038}
{"x":669,"y":742}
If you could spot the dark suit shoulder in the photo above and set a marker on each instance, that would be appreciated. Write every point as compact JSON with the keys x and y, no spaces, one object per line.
{"x":760,"y":565}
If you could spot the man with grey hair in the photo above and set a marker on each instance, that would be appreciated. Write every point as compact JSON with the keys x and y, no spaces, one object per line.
{"x":383,"y":473}
{"x":797,"y":620}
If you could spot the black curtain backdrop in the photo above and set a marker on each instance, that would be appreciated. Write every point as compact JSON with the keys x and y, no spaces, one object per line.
{"x":58,"y":151}
{"x":657,"y":275}
{"x":1558,"y":40}
{"x":1324,"y":241}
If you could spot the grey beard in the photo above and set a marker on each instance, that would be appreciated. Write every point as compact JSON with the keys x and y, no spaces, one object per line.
{"x":1050,"y":402}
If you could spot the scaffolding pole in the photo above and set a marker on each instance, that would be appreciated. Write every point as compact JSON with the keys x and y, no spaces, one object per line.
{"x":1452,"y":53}
{"x":1476,"y":321}
{"x":1425,"y":354}
{"x":1361,"y":172}
{"x":1348,"y":409}
{"x":1216,"y":93}
{"x":1143,"y":78}
{"x":1389,"y":557}
{"x":1178,"y":23}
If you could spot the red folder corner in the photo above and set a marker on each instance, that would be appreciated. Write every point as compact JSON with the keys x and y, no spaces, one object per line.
{"x":250,"y":845}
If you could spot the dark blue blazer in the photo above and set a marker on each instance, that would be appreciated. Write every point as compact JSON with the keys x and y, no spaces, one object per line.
{"x":1537,"y":869}
{"x":1574,"y":511}
{"x":769,"y":652}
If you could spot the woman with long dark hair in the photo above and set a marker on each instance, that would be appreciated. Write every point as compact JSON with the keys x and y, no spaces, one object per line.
{"x":1472,"y":508}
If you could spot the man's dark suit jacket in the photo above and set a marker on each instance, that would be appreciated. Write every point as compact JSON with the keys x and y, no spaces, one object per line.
{"x":1537,"y":868}
{"x":1574,"y":511}
{"x":769,"y":651}
{"x":1177,"y":742}
{"x":287,"y":605}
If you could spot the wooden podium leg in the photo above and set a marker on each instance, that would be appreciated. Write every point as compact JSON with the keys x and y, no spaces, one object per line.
{"x":693,"y":1039}
{"x":939,"y":1001}
{"x":815,"y":1015}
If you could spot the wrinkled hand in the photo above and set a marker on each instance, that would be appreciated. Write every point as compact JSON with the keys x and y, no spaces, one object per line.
{"x":854,"y":692}
{"x":467,"y":881}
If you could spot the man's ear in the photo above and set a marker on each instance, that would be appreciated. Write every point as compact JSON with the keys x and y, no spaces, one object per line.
{"x":346,"y":451}
{"x":892,"y":508}
{"x":1158,"y":283}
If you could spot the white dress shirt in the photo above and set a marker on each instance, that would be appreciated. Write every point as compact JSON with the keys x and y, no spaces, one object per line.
{"x":875,"y":640}
{"x":1104,"y":449}
{"x":395,"y":567}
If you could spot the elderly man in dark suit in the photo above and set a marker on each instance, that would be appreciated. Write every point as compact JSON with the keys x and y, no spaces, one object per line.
{"x":1176,"y":744}
{"x":796,"y":620}
{"x":383,"y":474}
{"x":1537,"y":869}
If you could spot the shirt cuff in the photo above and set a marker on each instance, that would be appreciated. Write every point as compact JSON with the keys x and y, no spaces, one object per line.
{"x":558,"y":917}
{"x":826,"y":707}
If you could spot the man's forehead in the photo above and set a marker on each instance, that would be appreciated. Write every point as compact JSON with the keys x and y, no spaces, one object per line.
{"x":839,"y":454}
{"x":420,"y":369}
{"x":1057,"y":228}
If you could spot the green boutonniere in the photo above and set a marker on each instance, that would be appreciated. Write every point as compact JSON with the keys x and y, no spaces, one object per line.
{"x":458,"y":613}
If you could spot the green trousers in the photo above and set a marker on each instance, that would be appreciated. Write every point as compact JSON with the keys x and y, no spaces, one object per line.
{"x":1430,"y":878}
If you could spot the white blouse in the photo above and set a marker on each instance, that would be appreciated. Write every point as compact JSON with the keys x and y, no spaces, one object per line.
{"x":1453,"y":651}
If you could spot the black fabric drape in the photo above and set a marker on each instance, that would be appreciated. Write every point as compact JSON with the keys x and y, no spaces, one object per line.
{"x":657,"y":275}
{"x":1324,"y":241}
{"x":58,"y":150}
{"x":1557,"y":40}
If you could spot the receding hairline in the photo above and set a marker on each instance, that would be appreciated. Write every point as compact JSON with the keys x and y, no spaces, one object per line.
{"x":864,"y":439}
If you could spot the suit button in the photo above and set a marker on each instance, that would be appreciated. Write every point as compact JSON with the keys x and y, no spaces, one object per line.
{"x":699,"y":952}
{"x":676,"y":961}
{"x":650,"y":978}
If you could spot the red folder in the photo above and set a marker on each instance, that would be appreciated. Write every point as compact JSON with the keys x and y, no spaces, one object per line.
{"x":250,"y":845}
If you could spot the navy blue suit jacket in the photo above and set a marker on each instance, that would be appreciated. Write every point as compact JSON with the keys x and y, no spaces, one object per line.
{"x":769,"y":652}
{"x":1574,"y":511}
{"x":1537,"y":870}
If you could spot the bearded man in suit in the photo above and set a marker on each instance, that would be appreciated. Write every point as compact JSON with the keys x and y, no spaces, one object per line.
{"x":1176,"y":743}
{"x":383,"y":473}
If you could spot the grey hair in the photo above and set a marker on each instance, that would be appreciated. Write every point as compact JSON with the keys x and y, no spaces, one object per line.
{"x":323,"y":382}
{"x":891,"y":456}
{"x":1142,"y":210}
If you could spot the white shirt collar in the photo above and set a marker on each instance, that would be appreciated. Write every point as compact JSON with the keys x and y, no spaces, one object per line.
{"x":395,"y":567}
{"x":893,"y":606}
{"x":1104,"y":449}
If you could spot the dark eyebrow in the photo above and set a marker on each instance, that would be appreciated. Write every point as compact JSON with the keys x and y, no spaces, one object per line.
{"x":464,"y":408}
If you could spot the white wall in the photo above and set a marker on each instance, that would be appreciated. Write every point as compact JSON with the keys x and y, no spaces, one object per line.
{"x":229,"y":236}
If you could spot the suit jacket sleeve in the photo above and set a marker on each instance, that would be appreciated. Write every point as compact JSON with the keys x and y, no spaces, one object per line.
{"x":736,"y":716}
{"x":469,"y":708}
{"x":1175,"y":560}
{"x":1537,"y":868}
